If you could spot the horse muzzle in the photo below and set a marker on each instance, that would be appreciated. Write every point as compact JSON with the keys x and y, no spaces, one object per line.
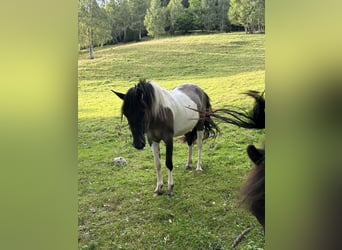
{"x":139,"y":144}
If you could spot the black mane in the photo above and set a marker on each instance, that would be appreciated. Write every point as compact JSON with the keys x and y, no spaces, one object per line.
{"x":140,"y":96}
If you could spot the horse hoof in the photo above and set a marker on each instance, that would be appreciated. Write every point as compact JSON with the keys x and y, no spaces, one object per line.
{"x":157,"y":193}
{"x":170,"y":190}
{"x":187,"y":167}
{"x":199,"y":171}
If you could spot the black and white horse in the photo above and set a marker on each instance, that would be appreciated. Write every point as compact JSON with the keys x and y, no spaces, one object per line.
{"x":162,"y":115}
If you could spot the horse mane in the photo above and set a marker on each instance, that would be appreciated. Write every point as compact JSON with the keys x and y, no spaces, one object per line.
{"x":159,"y":102}
{"x":252,"y":194}
{"x":147,"y":94}
{"x":254,"y":119}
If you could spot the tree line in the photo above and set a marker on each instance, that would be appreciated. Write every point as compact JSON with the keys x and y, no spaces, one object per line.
{"x":112,"y":21}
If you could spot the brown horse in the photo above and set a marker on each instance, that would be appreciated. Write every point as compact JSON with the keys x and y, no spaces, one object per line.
{"x":252,"y":194}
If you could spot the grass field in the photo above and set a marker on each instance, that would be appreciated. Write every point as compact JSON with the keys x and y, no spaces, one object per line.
{"x":117,"y":209}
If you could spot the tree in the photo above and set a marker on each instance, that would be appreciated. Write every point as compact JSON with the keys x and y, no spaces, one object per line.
{"x":155,"y":19}
{"x":174,"y":9}
{"x":222,"y":10}
{"x":234,"y":12}
{"x":195,"y":7}
{"x":112,"y":10}
{"x":123,"y":19}
{"x":186,"y":21}
{"x":119,"y":13}
{"x":93,"y":25}
{"x":164,"y":3}
{"x":209,"y":15}
{"x":259,"y":15}
{"x":138,"y":10}
{"x":185,"y":3}
{"x":248,"y":13}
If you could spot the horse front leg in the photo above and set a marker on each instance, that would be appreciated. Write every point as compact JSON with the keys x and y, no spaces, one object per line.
{"x":156,"y":155}
{"x":199,"y":146}
{"x":169,"y":165}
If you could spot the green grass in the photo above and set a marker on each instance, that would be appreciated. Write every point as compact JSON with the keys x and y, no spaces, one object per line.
{"x":117,"y":209}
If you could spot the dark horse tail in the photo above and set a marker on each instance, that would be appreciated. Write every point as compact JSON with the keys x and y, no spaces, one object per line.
{"x":255,"y":119}
{"x":210,"y":127}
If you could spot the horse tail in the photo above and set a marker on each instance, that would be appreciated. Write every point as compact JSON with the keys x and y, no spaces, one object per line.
{"x":210,"y":127}
{"x":254,"y":119}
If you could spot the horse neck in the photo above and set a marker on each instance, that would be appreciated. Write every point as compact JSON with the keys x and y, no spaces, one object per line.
{"x":159,"y":101}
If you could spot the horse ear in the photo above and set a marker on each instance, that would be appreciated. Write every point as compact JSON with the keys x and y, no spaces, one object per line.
{"x":256,"y":155}
{"x":120,"y":95}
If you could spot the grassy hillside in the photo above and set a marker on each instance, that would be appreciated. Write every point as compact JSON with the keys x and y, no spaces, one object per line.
{"x":117,"y":209}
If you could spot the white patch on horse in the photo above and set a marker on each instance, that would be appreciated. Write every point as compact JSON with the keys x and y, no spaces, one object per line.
{"x":199,"y":147}
{"x":181,"y":106}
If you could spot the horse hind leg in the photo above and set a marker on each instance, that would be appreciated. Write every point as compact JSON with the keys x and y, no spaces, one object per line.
{"x":156,"y":154}
{"x":190,"y":138}
{"x":199,"y":146}
{"x":188,"y":164}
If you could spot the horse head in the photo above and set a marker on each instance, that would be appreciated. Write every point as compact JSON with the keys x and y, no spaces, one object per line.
{"x":253,"y":192}
{"x":134,"y":107}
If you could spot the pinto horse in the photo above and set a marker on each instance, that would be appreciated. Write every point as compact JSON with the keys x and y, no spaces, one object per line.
{"x":162,"y":115}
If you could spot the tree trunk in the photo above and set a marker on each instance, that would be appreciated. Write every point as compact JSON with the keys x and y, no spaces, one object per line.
{"x":91,"y":45}
{"x":91,"y":51}
{"x":124,"y":34}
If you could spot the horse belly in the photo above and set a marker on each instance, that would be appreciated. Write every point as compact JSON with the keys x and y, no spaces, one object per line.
{"x":183,"y":129}
{"x":185,"y":119}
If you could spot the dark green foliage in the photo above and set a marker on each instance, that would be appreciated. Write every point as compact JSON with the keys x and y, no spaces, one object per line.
{"x":155,"y":19}
{"x":185,"y":3}
{"x":186,"y":22}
